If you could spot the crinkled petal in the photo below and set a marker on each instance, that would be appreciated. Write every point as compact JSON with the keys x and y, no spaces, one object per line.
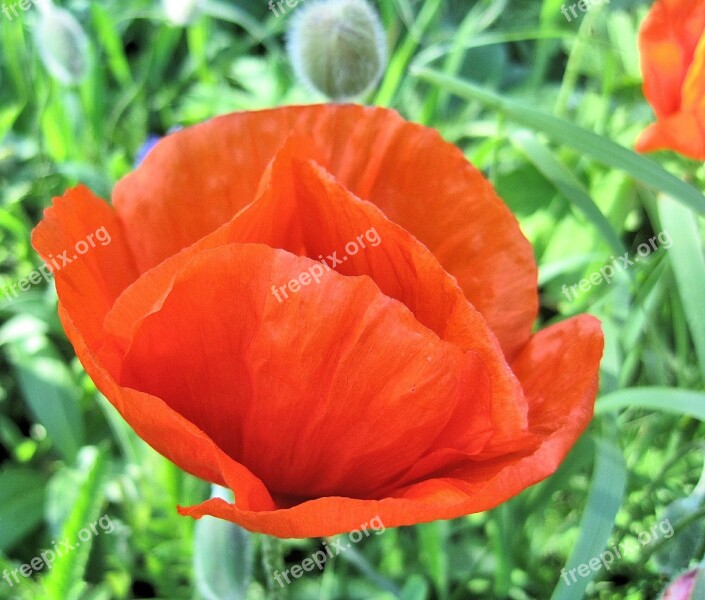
{"x":196,"y":180}
{"x":299,"y":391}
{"x":558,"y":369}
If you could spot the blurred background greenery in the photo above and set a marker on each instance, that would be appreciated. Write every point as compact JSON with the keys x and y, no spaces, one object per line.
{"x":539,"y":104}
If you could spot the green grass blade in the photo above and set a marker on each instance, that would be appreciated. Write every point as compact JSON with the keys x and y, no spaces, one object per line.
{"x":233,"y":14}
{"x":568,"y":185}
{"x":223,"y":556}
{"x":21,"y":504}
{"x":686,"y":258}
{"x":65,"y":580}
{"x":606,"y":494}
{"x":681,"y":402}
{"x":109,"y":37}
{"x":586,"y":142}
{"x":399,"y":62}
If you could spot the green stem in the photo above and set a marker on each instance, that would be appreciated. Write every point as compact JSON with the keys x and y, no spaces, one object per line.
{"x":400,"y":61}
{"x":572,"y":69}
{"x":273,"y":562}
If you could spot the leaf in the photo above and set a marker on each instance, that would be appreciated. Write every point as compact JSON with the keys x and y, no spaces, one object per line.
{"x":676,"y":555}
{"x":568,"y":185}
{"x":109,"y":37}
{"x":606,"y":494}
{"x":688,"y":264}
{"x":223,"y":556}
{"x":65,"y":580}
{"x":21,"y":504}
{"x":433,"y":538}
{"x":51,"y":393}
{"x":681,"y":402}
{"x":583,"y":141}
{"x":415,"y":588}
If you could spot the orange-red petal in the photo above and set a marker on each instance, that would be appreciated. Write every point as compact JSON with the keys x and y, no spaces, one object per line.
{"x":683,"y":132}
{"x":307,"y":378}
{"x":672,"y":50}
{"x":559,"y":372}
{"x":301,"y":208}
{"x":196,"y":180}
{"x":90,"y":283}
{"x":668,"y":40}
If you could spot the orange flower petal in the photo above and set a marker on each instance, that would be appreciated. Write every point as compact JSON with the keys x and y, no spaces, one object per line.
{"x":668,"y":40}
{"x":87,"y":288}
{"x":303,"y":209}
{"x":196,"y":180}
{"x":683,"y":132}
{"x":559,"y":372}
{"x":293,"y":377}
{"x":323,"y":219}
{"x":694,"y":86}
{"x":90,"y":283}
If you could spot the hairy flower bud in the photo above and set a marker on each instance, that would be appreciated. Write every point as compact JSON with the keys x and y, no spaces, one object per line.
{"x":63,"y":45}
{"x":180,"y":12}
{"x":338,"y":47}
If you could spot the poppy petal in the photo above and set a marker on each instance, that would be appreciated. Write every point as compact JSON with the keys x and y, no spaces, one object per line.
{"x":322,"y":216}
{"x":683,"y":132}
{"x":559,"y":372}
{"x":196,"y":180}
{"x":160,"y":426}
{"x":291,"y":376}
{"x":302,"y":209}
{"x":668,"y":40}
{"x":88,"y":284}
{"x":694,"y":86}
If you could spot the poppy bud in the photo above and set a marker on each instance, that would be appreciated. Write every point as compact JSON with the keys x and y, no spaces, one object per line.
{"x":338,"y":47}
{"x":63,"y":45}
{"x":689,"y":586}
{"x":180,"y":12}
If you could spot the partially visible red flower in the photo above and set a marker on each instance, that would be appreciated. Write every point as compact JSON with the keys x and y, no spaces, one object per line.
{"x":672,"y":48}
{"x":406,"y":384}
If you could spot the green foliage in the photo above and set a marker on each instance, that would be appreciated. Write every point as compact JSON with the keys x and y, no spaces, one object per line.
{"x":549,"y":110}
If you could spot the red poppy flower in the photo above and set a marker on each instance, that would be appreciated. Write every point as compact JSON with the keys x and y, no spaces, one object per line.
{"x":672,"y":48}
{"x":404,"y":384}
